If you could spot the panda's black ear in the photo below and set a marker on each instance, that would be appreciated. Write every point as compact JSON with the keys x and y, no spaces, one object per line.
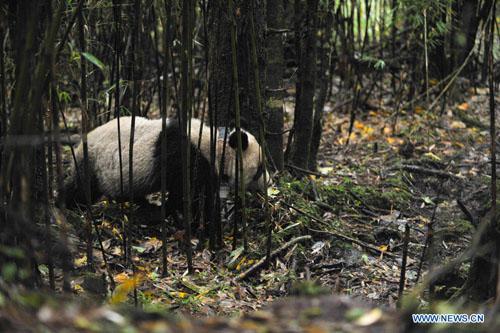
{"x":233,"y":140}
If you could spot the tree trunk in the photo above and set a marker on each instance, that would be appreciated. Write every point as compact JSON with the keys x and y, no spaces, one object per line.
{"x":465,"y":24}
{"x":274,"y":82}
{"x":324,"y":78}
{"x":303,"y":123}
{"x":483,"y":280}
{"x":220,"y":81}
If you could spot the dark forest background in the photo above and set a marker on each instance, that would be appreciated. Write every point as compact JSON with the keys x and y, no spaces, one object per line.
{"x":308,"y":78}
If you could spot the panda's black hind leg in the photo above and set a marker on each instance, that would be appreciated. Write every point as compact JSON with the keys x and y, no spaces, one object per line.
{"x":146,"y":212}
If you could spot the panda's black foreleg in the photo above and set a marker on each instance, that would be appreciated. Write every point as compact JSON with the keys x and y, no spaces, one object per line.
{"x":173,"y":208}
{"x":74,"y":194}
{"x":69,"y":194}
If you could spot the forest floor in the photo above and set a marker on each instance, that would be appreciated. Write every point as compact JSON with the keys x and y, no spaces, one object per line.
{"x":415,"y":168}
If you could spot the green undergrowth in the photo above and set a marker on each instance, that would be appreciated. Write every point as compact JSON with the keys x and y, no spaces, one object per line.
{"x":326,"y":204}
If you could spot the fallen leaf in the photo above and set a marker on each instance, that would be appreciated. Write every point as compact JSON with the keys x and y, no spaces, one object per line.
{"x":432,"y":156}
{"x":464,"y":106}
{"x":121,"y":278}
{"x":369,"y":318}
{"x":457,"y":124}
{"x":383,"y":248}
{"x":80,"y":262}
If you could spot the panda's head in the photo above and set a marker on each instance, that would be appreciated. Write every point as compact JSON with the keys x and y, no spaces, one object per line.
{"x":254,"y":173}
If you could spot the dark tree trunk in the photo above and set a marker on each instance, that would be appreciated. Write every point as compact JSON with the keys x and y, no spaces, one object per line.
{"x":467,"y":15}
{"x":465,"y":24}
{"x":483,"y":273}
{"x":324,"y":78}
{"x":274,"y":82}
{"x":303,"y":123}
{"x":18,"y":160}
{"x":22,"y":191}
{"x":220,"y":95}
{"x":220,"y":82}
{"x":482,"y":282}
{"x":439,"y":64}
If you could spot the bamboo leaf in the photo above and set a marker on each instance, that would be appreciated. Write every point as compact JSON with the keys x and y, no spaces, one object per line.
{"x":93,"y":59}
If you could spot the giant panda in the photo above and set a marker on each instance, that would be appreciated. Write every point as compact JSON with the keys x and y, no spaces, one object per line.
{"x":104,"y":166}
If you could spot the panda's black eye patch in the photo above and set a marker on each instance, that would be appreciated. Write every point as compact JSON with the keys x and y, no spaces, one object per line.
{"x":233,"y":140}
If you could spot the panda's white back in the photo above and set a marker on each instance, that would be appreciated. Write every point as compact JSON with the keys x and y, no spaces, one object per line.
{"x":104,"y":154}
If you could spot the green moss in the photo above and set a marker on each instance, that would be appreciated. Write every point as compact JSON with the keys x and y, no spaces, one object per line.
{"x":462,"y":227}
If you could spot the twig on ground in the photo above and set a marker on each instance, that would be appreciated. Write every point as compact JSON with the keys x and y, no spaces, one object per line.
{"x":309,"y":172}
{"x":427,"y":171}
{"x":428,"y":241}
{"x":367,"y":246}
{"x":402,"y":276}
{"x":466,"y":212}
{"x":262,"y":261}
{"x":339,"y":235}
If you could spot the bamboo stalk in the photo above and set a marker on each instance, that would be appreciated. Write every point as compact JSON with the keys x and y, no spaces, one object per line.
{"x":262,"y":130}
{"x":85,"y":128}
{"x":239,"y":158}
{"x":185,"y":119}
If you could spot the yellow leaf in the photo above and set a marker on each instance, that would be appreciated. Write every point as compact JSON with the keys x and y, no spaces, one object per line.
{"x":383,"y":248}
{"x":82,"y":322}
{"x":272,"y":192}
{"x":369,"y":318}
{"x":433,"y":82}
{"x":464,"y":106}
{"x":325,"y":170}
{"x":154,"y":242}
{"x":121,"y":291}
{"x":80,"y":262}
{"x":179,"y":294}
{"x":119,"y":295}
{"x":116,"y":231}
{"x":367,"y":130}
{"x":141,"y":268}
{"x":121,"y":278}
{"x":358,"y":125}
{"x":394,"y":141}
{"x":432,"y":156}
{"x":457,"y":124}
{"x":241,"y":263}
{"x":419,"y":109}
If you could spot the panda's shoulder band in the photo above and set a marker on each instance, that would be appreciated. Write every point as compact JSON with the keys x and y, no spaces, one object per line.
{"x":258,"y":173}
